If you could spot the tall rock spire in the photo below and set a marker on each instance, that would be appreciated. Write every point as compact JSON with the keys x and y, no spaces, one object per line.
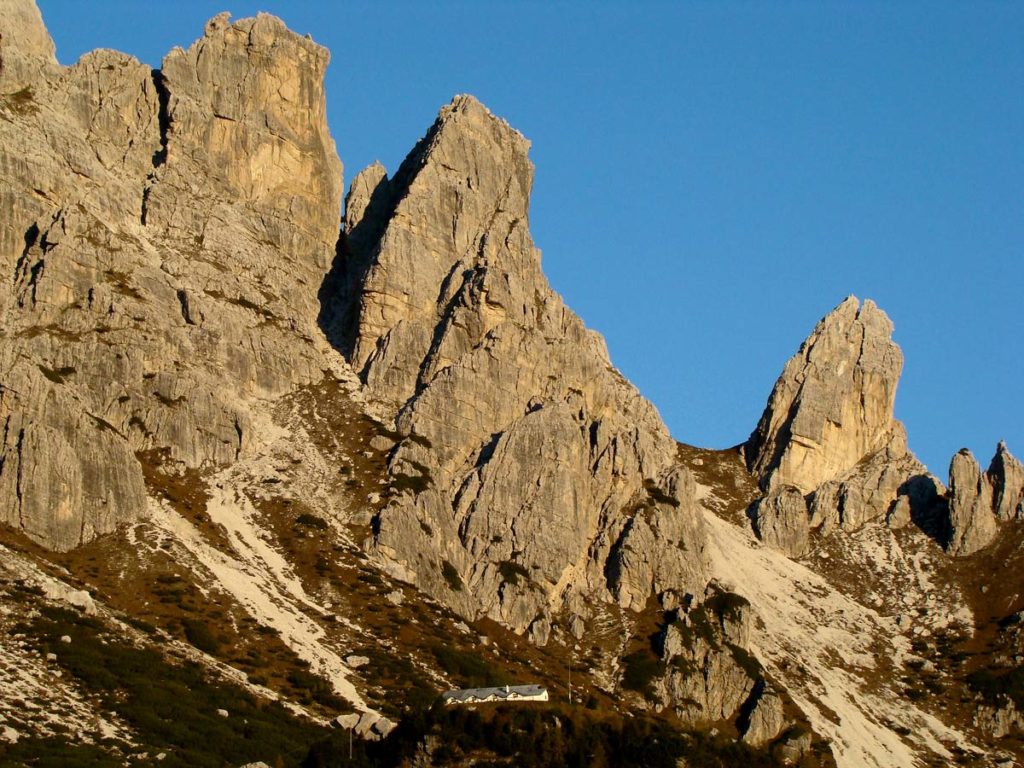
{"x":547,"y":479}
{"x":828,"y":431}
{"x":833,"y":403}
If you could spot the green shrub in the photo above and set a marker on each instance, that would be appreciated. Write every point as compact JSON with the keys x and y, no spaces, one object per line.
{"x":658,"y":496}
{"x":474,"y":671}
{"x":21,"y":102}
{"x":200,"y":636}
{"x":993,"y":684}
{"x":311,"y":521}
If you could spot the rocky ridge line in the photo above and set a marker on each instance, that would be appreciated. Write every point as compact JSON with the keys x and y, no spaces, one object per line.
{"x":543,"y":479}
{"x":166,"y":231}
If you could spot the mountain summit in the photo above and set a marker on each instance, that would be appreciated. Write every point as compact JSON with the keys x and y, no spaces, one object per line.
{"x":274,"y":467}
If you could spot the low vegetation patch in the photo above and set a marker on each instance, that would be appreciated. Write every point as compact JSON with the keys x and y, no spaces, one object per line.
{"x":536,"y":737}
{"x":994,"y":685}
{"x":308,"y":520}
{"x":468,"y":668}
{"x":21,"y":102}
{"x":170,"y":707}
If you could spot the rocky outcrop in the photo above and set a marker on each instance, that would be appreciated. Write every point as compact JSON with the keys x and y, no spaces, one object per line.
{"x":781,"y":520}
{"x":972,"y":524}
{"x":1007,"y":477}
{"x":166,"y":232}
{"x":1000,"y":718}
{"x":870,"y":490}
{"x":709,"y":675}
{"x":766,"y":717}
{"x":26,"y":50}
{"x":977,"y":500}
{"x":829,"y":433}
{"x":537,"y":474}
{"x":833,"y":403}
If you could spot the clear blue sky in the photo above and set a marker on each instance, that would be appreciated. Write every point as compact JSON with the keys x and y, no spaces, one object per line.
{"x":713,"y":177}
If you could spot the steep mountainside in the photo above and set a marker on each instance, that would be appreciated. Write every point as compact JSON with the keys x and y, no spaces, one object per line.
{"x":271,"y":466}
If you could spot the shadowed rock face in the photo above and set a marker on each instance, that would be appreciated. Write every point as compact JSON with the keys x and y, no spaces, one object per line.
{"x":166,"y":232}
{"x":1007,"y":477}
{"x":536,"y":449}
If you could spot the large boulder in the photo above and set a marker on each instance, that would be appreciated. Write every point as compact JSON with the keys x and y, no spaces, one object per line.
{"x":781,"y":519}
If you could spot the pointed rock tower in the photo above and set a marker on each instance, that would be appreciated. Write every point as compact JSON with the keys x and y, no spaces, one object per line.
{"x":544,"y":478}
{"x":828,"y":430}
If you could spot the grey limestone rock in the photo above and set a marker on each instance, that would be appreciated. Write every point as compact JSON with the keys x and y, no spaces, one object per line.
{"x":166,"y":232}
{"x":900,"y":515}
{"x":977,"y":502}
{"x":709,"y":674}
{"x":1000,"y":718}
{"x":27,"y":52}
{"x":1007,"y":477}
{"x":781,"y":519}
{"x":766,"y":718}
{"x":543,"y":474}
{"x":833,"y":403}
{"x":972,"y":523}
{"x":828,"y":430}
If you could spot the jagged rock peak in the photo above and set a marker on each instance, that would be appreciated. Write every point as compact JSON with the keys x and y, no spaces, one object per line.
{"x":541,"y":456}
{"x":461,"y":197}
{"x":977,"y":500}
{"x":833,"y":404}
{"x":365,"y":186}
{"x":1006,"y":474}
{"x":211,"y":187}
{"x":246,"y":101}
{"x":26,"y":48}
{"x":972,"y":525}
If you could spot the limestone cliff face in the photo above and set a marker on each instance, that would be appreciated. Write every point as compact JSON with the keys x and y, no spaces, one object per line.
{"x":26,"y":49}
{"x":166,"y":232}
{"x":545,"y":476}
{"x":828,"y":432}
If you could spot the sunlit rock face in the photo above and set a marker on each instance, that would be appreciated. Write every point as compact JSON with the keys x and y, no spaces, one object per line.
{"x":828,"y":431}
{"x":167,"y":232}
{"x":546,"y":477}
{"x":833,"y":404}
